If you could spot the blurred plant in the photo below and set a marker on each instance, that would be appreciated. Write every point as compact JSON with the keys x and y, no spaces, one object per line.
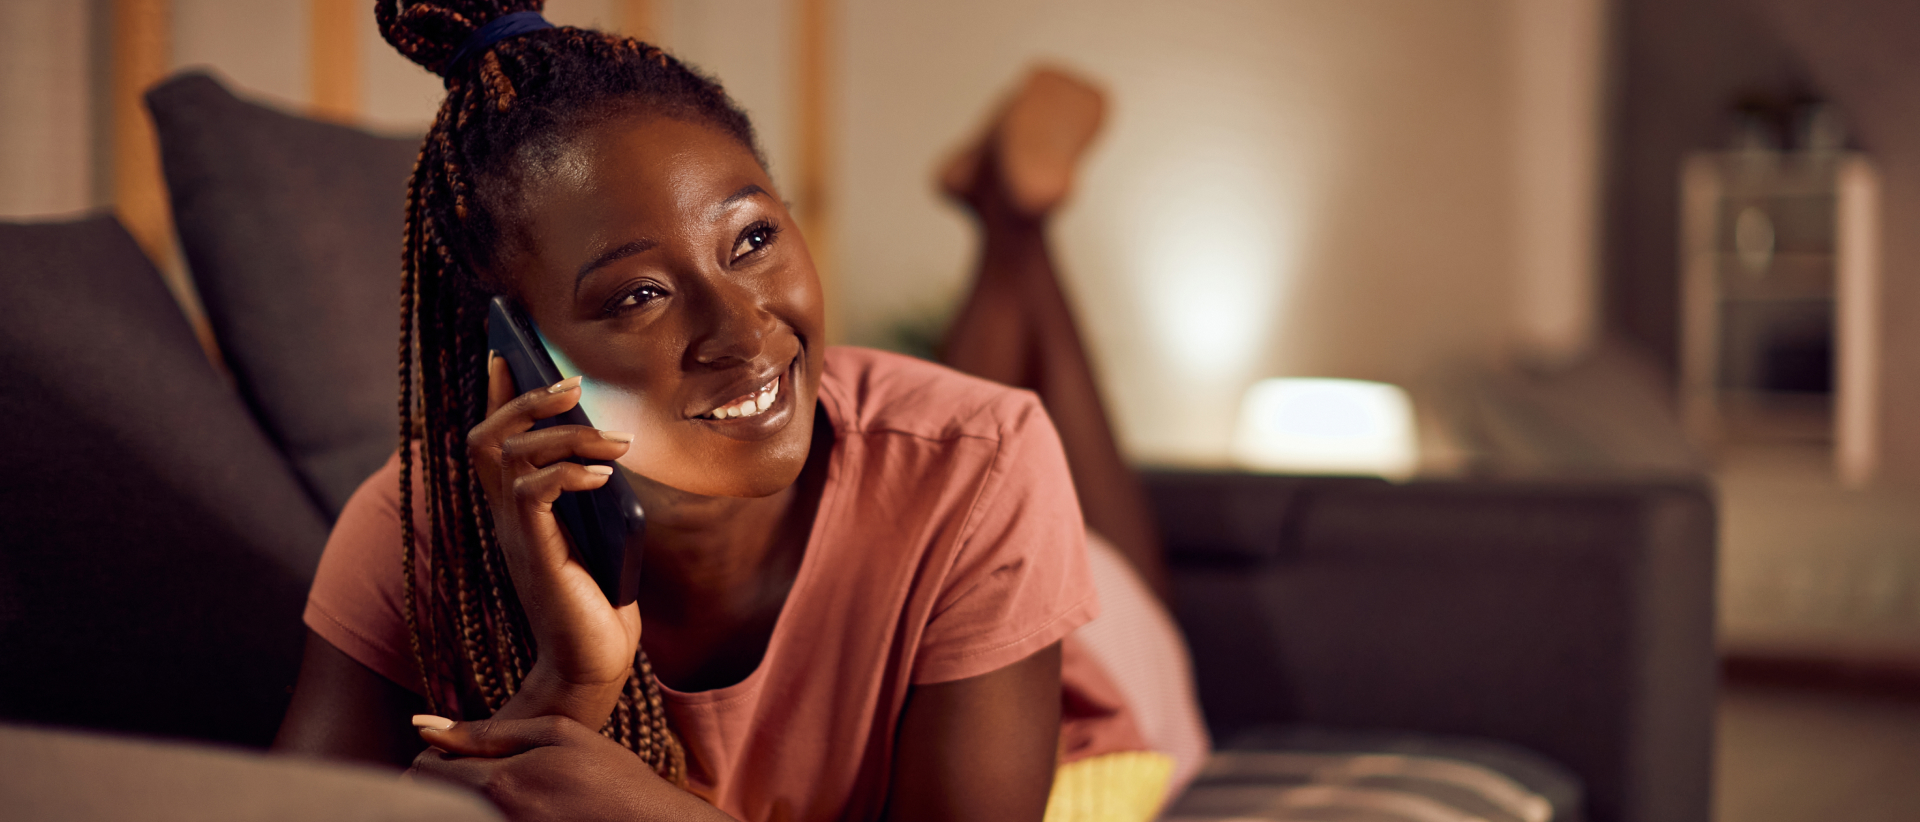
{"x":919,"y":331}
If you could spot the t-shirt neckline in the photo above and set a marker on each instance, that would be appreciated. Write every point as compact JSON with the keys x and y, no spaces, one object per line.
{"x":802,"y":580}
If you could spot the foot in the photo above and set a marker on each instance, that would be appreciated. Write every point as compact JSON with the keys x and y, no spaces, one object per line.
{"x":1033,"y":144}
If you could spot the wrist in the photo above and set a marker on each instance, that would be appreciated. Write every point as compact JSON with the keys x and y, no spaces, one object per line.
{"x":545,"y":692}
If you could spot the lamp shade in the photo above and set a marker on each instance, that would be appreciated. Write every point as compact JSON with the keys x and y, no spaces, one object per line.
{"x":1326,"y":426}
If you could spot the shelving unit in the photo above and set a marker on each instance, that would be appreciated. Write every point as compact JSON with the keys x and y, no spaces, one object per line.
{"x":1779,"y":279}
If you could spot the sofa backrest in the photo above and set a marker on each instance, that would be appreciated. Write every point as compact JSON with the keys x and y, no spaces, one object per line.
{"x":155,"y":549}
{"x":1575,"y":620}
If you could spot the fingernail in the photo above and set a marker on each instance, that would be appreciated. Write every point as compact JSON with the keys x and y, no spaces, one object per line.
{"x":602,"y":470}
{"x":429,"y":722}
{"x":567,"y":384}
{"x":618,"y":436}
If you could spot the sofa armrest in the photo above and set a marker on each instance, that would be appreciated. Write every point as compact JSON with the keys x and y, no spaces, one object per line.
{"x":52,"y":774}
{"x":1575,"y":620}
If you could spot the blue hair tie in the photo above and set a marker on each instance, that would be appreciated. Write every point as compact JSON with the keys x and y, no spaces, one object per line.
{"x":497,"y":29}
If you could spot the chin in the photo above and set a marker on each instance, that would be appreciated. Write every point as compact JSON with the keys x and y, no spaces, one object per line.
{"x":759,"y":482}
{"x":760,"y":469}
{"x":759,"y":478}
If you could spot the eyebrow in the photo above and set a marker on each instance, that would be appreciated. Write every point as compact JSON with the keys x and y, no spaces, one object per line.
{"x":644,"y":245}
{"x":745,"y":191}
{"x":628,"y":250}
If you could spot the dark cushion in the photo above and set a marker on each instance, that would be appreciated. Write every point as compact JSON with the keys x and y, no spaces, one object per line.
{"x":292,"y":229}
{"x":157,"y":549}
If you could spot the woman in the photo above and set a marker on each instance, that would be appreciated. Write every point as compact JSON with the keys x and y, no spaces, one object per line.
{"x":861,"y":571}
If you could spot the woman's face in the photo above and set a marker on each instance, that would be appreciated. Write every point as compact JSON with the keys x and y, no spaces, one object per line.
{"x":658,"y":260}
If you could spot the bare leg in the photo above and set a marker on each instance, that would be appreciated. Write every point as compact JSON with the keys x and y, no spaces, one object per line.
{"x":990,"y":337}
{"x":1017,"y":327}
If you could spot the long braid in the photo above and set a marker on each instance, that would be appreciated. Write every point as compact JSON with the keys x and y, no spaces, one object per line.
{"x":469,"y":570}
{"x":467,"y":629}
{"x":412,"y":600}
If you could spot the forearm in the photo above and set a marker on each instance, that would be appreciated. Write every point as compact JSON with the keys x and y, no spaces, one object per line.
{"x":654,"y":799}
{"x":342,"y":709}
{"x":552,"y":769}
{"x":980,"y":748}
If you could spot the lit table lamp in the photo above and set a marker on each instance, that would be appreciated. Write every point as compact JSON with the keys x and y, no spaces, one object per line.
{"x":1327,"y":426}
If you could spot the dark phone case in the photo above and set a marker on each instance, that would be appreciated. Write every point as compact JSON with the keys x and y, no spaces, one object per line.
{"x":604,"y":521}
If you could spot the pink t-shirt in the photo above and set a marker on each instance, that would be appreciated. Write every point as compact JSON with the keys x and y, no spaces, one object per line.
{"x":948,"y":544}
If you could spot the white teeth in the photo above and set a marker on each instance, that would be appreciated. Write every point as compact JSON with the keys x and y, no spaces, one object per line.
{"x":749,"y":406}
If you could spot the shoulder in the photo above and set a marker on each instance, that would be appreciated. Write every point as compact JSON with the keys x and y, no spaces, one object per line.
{"x":356,"y":602}
{"x":372,"y":514}
{"x":966,"y":479}
{"x":867,"y":391}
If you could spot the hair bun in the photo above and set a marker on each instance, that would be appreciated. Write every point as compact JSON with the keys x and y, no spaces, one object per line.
{"x":429,"y":32}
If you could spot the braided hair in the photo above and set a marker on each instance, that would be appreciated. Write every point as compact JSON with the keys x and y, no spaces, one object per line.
{"x":515,"y":104}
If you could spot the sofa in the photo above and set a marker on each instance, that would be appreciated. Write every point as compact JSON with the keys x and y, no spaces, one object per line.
{"x":164,"y":510}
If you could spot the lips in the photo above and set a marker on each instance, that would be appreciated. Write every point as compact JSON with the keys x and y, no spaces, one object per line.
{"x":760,"y":409}
{"x":754,"y":404}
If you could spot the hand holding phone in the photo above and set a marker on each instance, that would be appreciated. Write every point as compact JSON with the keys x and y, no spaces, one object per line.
{"x":606,"y":523}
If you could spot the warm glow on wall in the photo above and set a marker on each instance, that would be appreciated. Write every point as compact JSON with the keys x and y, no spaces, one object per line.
{"x":1281,"y":188}
{"x":1214,"y":244}
{"x":1327,"y":426}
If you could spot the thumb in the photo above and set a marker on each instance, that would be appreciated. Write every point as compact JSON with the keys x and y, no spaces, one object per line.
{"x":492,"y":738}
{"x":499,"y":382}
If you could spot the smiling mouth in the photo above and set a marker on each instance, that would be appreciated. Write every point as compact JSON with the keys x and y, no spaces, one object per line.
{"x":752,"y":405}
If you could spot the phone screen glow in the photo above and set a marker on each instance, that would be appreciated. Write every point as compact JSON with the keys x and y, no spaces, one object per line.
{"x":598,"y":401}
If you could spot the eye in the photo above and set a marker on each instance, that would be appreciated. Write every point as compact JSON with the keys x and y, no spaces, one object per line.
{"x":756,"y":237}
{"x":638,"y":295}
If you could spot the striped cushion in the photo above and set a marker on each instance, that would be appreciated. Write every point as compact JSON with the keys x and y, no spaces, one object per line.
{"x":1277,"y":785}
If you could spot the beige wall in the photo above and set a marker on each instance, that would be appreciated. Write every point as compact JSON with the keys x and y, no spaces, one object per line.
{"x":46,"y":110}
{"x":1286,"y":187}
{"x":259,"y":46}
{"x":749,"y":45}
{"x":262,"y":48}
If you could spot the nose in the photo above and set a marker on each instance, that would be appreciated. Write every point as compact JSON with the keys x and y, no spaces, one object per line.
{"x":736,"y":327}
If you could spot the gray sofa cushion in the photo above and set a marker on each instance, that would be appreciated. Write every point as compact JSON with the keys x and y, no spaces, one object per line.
{"x":292,"y":228}
{"x":157,"y":549}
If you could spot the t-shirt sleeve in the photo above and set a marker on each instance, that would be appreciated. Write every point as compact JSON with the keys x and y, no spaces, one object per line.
{"x":1020,"y":579}
{"x":355,"y":603}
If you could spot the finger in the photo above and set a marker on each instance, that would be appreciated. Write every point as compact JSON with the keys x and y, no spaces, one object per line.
{"x":542,"y":447}
{"x":499,"y":382}
{"x":536,"y":490}
{"x":494,"y":738}
{"x":473,"y":773}
{"x":519,"y":414}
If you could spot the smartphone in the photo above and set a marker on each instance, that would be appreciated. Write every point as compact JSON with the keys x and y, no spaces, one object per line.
{"x":606,"y":523}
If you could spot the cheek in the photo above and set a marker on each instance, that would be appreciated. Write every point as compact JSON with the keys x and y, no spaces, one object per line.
{"x":809,"y":306}
{"x":617,"y":409}
{"x":659,"y":437}
{"x":714,"y":466}
{"x":683,"y":455}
